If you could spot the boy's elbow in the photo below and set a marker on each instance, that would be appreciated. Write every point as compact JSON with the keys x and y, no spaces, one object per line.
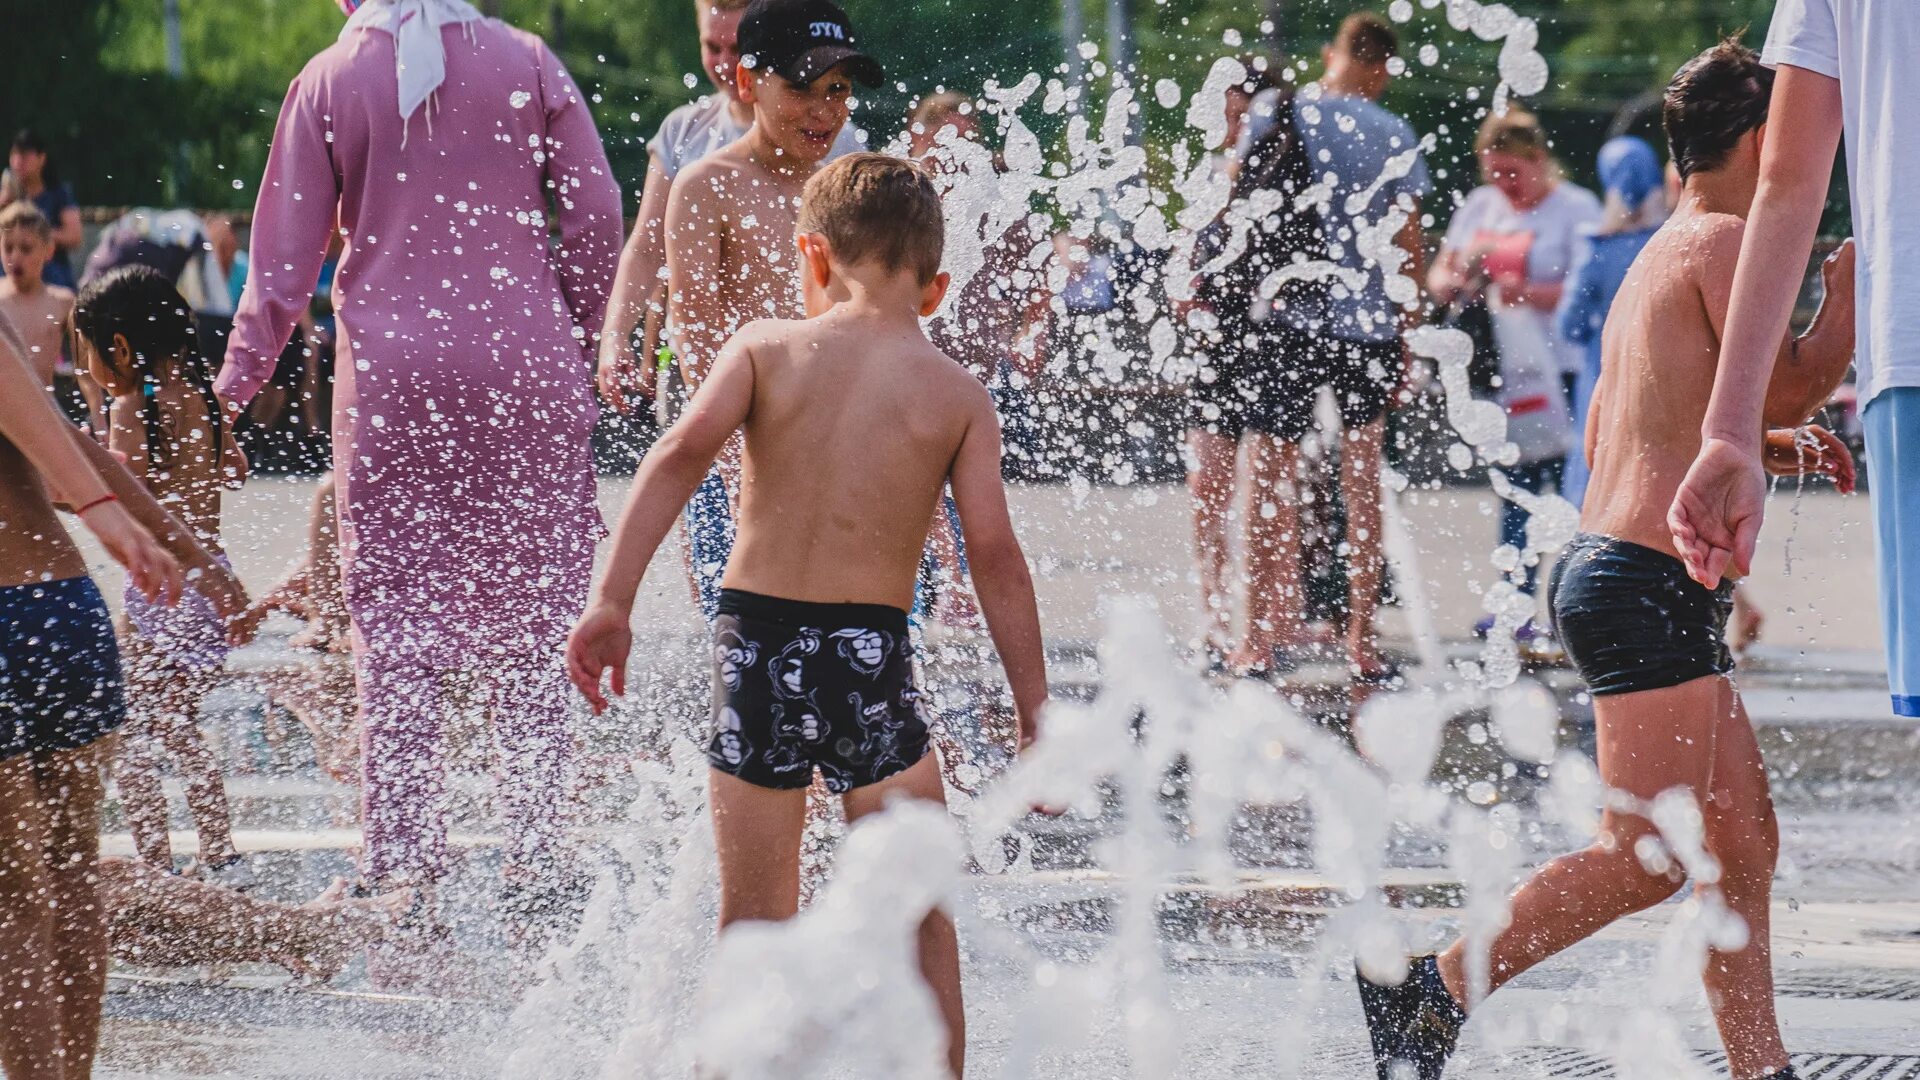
{"x":997,"y":557}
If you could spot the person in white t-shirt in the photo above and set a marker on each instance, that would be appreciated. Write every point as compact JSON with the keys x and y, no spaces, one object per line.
{"x":688,"y":134}
{"x":1842,"y":66}
{"x":1513,"y":240}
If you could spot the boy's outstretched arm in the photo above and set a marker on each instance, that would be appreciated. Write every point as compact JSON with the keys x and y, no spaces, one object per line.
{"x":1716,"y":514}
{"x":999,"y":566}
{"x":1815,"y":363}
{"x":668,"y":477}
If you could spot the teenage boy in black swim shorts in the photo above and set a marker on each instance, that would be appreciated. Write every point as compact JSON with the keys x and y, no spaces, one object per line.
{"x":1648,"y":640}
{"x":853,"y":423}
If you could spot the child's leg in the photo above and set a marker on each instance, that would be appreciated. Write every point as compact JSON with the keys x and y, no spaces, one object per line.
{"x":403,"y":777}
{"x":143,"y":801}
{"x":939,"y":945}
{"x":1211,"y":485}
{"x":756,"y":831}
{"x":1276,"y":600}
{"x":178,"y":726}
{"x":29,"y":1016}
{"x":1650,"y":742}
{"x":1360,"y":453}
{"x":71,"y":787}
{"x":1744,"y":835}
{"x":529,"y":707}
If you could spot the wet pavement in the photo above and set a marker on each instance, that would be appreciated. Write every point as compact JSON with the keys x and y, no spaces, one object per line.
{"x":1847,"y":929}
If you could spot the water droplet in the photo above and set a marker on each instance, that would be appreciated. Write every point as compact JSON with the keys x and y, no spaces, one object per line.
{"x":519,"y":98}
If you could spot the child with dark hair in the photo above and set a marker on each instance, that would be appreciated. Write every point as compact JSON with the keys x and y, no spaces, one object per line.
{"x":136,"y":338}
{"x":1649,"y":641}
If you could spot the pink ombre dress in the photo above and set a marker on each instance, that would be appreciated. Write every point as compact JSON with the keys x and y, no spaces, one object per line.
{"x":464,"y":402}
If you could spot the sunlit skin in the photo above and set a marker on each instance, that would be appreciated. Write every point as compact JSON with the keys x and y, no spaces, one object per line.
{"x":41,"y":313}
{"x":637,"y":288}
{"x":1660,"y":350}
{"x":731,"y":216}
{"x":838,"y":491}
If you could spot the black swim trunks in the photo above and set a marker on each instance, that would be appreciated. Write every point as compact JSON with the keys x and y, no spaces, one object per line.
{"x":1631,"y":619}
{"x":1267,"y":380}
{"x":60,"y":685}
{"x":802,"y":686}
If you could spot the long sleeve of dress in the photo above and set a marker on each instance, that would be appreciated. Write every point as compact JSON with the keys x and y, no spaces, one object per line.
{"x":296,"y":208}
{"x":585,"y":196}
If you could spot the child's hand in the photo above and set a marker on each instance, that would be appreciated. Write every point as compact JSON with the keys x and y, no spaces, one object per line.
{"x":231,"y":603}
{"x":1811,"y":449}
{"x":155,"y":574}
{"x":601,"y":642}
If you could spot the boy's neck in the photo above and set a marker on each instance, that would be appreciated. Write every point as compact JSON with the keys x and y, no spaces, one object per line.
{"x":884,"y":295}
{"x":25,"y":286}
{"x":738,"y":111}
{"x":1722,"y":191}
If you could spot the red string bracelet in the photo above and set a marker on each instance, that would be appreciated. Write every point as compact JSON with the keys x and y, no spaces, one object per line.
{"x":101,"y":501}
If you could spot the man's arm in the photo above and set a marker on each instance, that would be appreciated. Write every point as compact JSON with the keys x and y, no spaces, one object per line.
{"x":668,"y":477}
{"x":635,"y":288}
{"x":696,"y":295}
{"x":1001,"y":578}
{"x":1716,"y":514}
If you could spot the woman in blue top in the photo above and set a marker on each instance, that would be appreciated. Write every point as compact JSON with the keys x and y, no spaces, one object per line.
{"x":30,"y":176}
{"x":1636,"y":204}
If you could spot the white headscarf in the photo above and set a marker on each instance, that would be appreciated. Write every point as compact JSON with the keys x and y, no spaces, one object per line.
{"x":419,"y":58}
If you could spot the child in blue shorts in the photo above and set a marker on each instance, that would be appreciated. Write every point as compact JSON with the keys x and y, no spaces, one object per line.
{"x":60,"y":701}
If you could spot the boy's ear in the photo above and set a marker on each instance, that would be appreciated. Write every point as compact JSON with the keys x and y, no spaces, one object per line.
{"x":934,"y":293}
{"x":816,"y":255}
{"x":120,"y":354}
{"x":743,"y":83}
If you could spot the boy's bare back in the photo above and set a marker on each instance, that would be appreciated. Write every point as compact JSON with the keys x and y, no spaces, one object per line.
{"x":1659,"y":351}
{"x":854,"y":428}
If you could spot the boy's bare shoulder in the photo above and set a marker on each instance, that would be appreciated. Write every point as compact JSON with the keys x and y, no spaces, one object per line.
{"x":956,"y":383}
{"x":1710,"y":243}
{"x":702,"y":179}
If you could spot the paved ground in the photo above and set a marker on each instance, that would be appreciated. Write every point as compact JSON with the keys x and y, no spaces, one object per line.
{"x":1847,"y":930}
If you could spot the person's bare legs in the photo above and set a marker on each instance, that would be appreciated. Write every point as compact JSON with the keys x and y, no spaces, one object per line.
{"x":1366,"y":557}
{"x":1211,"y":484}
{"x":30,"y":1019}
{"x":177,"y":724}
{"x":72,"y":787}
{"x":939,"y":944}
{"x":1276,"y":604}
{"x":143,"y":801}
{"x":158,"y":918}
{"x":1650,"y":742}
{"x":756,"y":834}
{"x":1744,"y":834}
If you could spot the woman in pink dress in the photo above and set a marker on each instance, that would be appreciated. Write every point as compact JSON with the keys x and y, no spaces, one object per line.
{"x":447,"y":147}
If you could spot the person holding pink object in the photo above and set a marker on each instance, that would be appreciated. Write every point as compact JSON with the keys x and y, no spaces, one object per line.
{"x":482,"y":227}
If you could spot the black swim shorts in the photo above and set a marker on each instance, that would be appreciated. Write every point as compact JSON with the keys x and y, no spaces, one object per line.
{"x":60,"y":685}
{"x":1631,"y":619}
{"x":802,"y":686}
{"x":1267,"y":381}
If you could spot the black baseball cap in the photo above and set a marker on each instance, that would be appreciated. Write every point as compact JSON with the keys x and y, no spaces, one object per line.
{"x":801,"y":40}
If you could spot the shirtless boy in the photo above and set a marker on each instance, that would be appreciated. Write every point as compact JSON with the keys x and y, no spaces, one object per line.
{"x":60,"y":701}
{"x":812,"y":668}
{"x":42,"y":314}
{"x":1648,"y":640}
{"x":730,"y":217}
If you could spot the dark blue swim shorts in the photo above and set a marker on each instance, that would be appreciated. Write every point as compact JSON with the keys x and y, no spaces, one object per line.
{"x":1631,"y":619}
{"x":60,"y":686}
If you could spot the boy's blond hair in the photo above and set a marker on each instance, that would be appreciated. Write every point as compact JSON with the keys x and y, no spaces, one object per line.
{"x":871,"y":206}
{"x":935,"y":107}
{"x":1513,"y":131}
{"x":25,"y":215}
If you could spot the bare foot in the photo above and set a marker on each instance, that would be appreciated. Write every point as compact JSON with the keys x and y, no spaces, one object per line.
{"x":351,"y":924}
